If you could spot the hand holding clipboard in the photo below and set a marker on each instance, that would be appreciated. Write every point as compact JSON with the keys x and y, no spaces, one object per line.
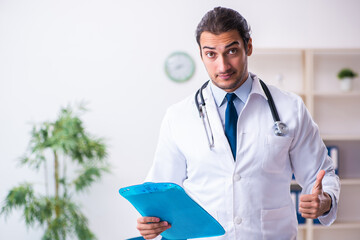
{"x":169,"y":202}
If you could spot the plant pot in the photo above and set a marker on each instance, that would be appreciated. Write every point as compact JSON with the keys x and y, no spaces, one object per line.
{"x":346,"y":84}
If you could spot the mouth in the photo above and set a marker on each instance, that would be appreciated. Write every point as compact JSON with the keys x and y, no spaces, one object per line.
{"x":225,"y":76}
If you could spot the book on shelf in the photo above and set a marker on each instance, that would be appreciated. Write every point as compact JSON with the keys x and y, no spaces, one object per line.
{"x":316,"y":221}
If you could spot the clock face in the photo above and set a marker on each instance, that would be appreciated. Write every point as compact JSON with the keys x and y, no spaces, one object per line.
{"x":179,"y":67}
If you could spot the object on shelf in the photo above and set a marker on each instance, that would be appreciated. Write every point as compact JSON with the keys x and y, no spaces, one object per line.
{"x":346,"y":76}
{"x":333,"y":152}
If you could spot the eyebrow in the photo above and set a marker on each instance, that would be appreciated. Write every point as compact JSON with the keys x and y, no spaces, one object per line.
{"x":227,"y":46}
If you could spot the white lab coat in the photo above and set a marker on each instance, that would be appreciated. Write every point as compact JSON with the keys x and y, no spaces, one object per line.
{"x":250,"y":197}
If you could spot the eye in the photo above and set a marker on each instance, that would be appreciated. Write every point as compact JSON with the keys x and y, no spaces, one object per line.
{"x":232,"y":51}
{"x":210,"y":54}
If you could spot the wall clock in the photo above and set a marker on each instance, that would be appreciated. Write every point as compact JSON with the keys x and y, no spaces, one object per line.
{"x":179,"y":66}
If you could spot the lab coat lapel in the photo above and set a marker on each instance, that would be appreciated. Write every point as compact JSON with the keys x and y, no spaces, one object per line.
{"x":256,"y":87}
{"x":220,"y":141}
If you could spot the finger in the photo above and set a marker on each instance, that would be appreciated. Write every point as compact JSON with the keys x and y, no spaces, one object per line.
{"x":150,"y":234}
{"x":307,"y":210}
{"x":307,"y":198}
{"x":155,"y":231}
{"x":148,"y":220}
{"x":151,"y":226}
{"x":305,"y":215}
{"x":318,"y":184}
{"x":307,"y":205}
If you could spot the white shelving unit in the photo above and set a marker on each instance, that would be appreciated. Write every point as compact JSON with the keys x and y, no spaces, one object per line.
{"x":312,"y":74}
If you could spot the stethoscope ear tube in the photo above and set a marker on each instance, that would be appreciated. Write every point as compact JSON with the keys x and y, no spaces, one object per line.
{"x":202,"y":101}
{"x":207,"y":127}
{"x":203,"y":114}
{"x":198,"y":106}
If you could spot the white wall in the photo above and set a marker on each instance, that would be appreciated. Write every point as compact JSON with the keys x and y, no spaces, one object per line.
{"x":111,"y":54}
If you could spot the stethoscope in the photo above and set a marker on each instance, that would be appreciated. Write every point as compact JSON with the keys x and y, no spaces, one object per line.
{"x":280,"y":128}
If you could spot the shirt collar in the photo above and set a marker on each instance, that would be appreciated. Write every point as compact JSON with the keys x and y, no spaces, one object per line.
{"x":241,"y":92}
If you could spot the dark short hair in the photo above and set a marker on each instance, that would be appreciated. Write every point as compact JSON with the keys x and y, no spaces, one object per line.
{"x":220,"y":20}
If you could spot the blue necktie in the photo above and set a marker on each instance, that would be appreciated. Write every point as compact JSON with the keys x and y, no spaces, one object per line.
{"x":231,"y":118}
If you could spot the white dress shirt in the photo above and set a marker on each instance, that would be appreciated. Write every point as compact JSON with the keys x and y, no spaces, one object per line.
{"x":242,"y":94}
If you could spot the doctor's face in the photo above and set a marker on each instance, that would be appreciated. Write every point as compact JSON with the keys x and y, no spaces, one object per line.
{"x":225,"y":58}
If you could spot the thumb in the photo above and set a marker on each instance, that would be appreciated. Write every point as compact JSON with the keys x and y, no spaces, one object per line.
{"x":318,"y":184}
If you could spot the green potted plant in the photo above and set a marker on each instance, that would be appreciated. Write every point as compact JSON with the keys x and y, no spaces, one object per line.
{"x":346,"y":76}
{"x":62,"y":143}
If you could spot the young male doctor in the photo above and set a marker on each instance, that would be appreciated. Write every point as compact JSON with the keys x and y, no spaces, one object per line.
{"x":244,"y":179}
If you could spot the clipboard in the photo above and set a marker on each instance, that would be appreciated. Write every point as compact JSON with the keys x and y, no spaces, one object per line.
{"x":169,"y":202}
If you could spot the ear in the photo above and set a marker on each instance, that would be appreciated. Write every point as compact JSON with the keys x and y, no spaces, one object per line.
{"x":249,"y":47}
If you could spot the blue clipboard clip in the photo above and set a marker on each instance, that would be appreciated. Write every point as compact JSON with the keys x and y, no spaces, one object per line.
{"x":169,"y":202}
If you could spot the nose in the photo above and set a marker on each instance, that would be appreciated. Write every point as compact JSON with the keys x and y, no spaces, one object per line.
{"x":223,"y":64}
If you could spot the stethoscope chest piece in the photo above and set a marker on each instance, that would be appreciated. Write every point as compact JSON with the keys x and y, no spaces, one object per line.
{"x":280,"y":128}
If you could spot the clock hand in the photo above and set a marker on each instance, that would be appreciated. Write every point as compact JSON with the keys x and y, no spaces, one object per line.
{"x":178,"y":66}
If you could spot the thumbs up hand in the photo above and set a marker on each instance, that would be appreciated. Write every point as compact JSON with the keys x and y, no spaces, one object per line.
{"x":318,"y":202}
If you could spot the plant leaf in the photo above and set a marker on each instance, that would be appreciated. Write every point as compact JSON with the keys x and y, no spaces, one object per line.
{"x":17,"y":197}
{"x":88,"y":175}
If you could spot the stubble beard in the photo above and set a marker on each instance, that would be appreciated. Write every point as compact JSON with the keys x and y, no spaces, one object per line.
{"x":236,"y":84}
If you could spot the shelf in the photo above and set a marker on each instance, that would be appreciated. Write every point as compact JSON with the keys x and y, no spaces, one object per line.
{"x":335,"y":225}
{"x":302,"y":226}
{"x":337,"y":116}
{"x":342,"y":51}
{"x":327,"y":64}
{"x":301,"y":94}
{"x":316,"y":51}
{"x":312,"y":74}
{"x":338,"y":225}
{"x":331,"y":137}
{"x":350,"y":182}
{"x":277,"y":51}
{"x":337,"y":94}
{"x":347,"y":182}
{"x":287,"y":63}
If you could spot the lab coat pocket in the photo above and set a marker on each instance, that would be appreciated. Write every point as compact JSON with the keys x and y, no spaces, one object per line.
{"x":276,"y":153}
{"x":275,"y":223}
